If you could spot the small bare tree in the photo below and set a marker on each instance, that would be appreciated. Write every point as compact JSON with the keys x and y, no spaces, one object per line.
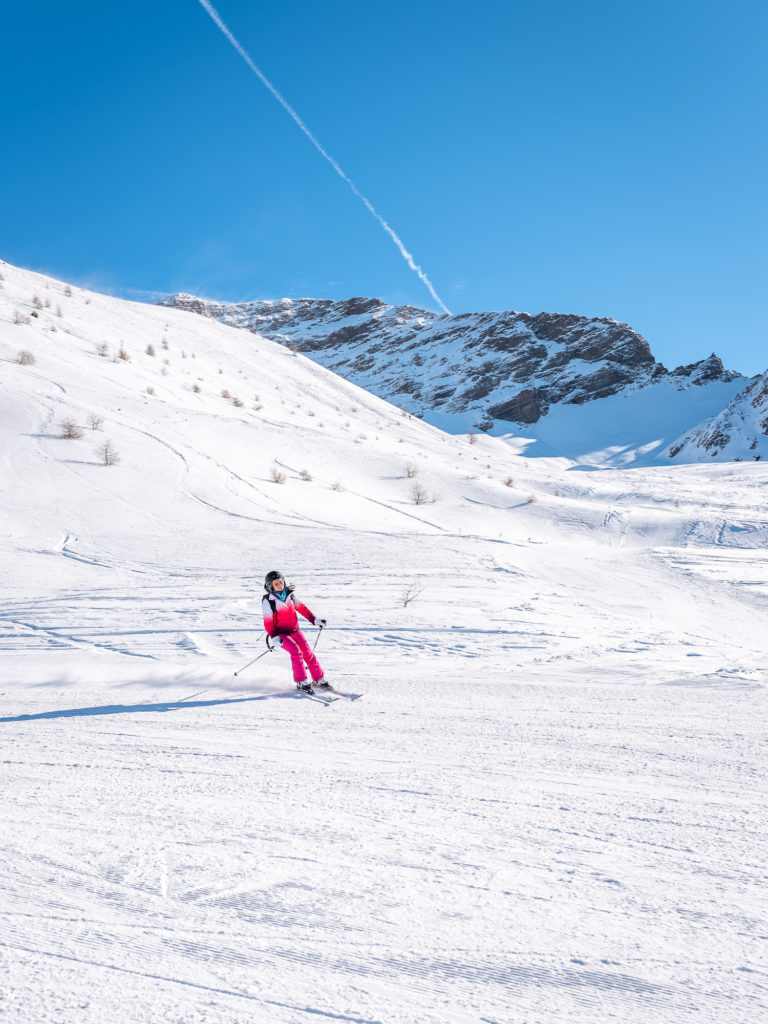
{"x":337,"y":485}
{"x":37,"y":302}
{"x":102,"y":349}
{"x":410,"y":593}
{"x":278,"y":477}
{"x":68,"y":292}
{"x":237,"y":402}
{"x":123,"y":355}
{"x":70,"y":430}
{"x":19,"y":317}
{"x":306,"y":475}
{"x":418,"y":495}
{"x":95,"y":422}
{"x":411,"y":470}
{"x":108,"y":454}
{"x":150,"y":349}
{"x":26,"y":358}
{"x":472,"y":435}
{"x":509,"y":482}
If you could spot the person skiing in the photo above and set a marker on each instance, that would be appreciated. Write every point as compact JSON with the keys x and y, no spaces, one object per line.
{"x":281,"y":622}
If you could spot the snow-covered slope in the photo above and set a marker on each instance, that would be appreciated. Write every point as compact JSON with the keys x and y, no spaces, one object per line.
{"x":548,"y":804}
{"x":739,"y":432}
{"x":500,"y":371}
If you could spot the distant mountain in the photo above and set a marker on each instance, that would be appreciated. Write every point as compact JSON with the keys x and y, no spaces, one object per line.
{"x":496,"y":371}
{"x":499,"y":366}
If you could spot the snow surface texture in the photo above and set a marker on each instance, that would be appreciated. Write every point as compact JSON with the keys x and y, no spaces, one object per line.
{"x":549,"y":804}
{"x":586,"y":388}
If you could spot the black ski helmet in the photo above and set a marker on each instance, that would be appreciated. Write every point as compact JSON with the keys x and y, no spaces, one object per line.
{"x":270,"y":578}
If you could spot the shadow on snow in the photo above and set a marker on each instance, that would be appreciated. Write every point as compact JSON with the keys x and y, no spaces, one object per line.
{"x":126,"y":709}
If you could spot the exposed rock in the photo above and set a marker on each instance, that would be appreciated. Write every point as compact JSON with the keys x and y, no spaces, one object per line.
{"x":705,"y":370}
{"x":523,"y":408}
{"x":602,"y":383}
{"x":484,"y":423}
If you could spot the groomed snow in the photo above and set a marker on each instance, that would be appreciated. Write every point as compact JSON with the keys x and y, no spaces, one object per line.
{"x":549,"y":804}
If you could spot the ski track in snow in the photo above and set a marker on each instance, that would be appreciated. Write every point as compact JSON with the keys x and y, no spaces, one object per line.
{"x":549,"y":805}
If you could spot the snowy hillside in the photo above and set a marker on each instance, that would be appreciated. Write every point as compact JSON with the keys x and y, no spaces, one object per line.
{"x":584,"y":388}
{"x":547,"y":806}
{"x":739,"y":432}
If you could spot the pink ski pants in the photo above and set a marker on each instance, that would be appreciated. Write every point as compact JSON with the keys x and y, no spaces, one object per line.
{"x":297,"y":646}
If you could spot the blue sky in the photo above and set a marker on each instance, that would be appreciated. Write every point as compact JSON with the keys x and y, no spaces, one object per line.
{"x":602,"y":158}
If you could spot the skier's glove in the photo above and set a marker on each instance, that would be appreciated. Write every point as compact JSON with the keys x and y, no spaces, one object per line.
{"x":322,"y":623}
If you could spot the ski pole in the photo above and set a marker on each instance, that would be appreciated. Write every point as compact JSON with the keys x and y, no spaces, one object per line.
{"x":254,"y":660}
{"x":314,"y":645}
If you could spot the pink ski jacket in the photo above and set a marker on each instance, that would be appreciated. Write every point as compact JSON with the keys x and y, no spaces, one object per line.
{"x":280,"y":616}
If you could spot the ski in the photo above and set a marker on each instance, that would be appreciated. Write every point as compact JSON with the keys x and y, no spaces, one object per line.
{"x":340,"y":693}
{"x":317,"y":697}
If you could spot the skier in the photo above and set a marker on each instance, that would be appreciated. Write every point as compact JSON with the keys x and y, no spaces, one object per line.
{"x":282,"y":625}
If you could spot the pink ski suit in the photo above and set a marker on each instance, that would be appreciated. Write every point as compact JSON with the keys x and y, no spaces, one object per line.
{"x":282,"y":624}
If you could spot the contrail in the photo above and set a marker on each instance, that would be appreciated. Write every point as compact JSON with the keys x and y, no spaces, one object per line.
{"x":284,"y":103}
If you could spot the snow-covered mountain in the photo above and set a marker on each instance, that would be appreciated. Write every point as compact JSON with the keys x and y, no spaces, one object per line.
{"x":498,"y":371}
{"x":556,"y":762}
{"x":740,"y":431}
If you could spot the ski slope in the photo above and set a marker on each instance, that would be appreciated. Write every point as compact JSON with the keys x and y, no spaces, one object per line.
{"x":549,"y":804}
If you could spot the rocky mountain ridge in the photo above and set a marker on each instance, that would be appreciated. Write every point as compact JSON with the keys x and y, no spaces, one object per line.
{"x":738,"y":432}
{"x":510,"y":367}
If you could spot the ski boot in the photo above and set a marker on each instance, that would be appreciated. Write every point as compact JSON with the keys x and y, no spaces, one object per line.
{"x":305,"y":686}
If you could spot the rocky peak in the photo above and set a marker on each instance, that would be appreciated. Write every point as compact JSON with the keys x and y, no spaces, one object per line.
{"x":705,"y":370}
